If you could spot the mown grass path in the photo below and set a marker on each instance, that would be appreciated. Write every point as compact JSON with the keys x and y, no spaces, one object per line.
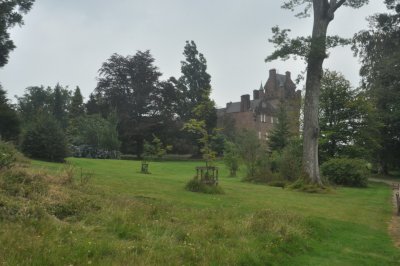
{"x":394,"y":226}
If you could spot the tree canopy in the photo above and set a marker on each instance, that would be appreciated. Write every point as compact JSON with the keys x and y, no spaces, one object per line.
{"x":11,"y":12}
{"x":314,"y":50}
{"x":379,"y":51}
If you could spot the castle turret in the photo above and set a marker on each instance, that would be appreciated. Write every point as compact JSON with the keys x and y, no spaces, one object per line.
{"x":245,"y":103}
{"x":256,"y":94}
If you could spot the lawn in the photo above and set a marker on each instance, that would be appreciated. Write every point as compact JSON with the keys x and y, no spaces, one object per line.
{"x":139,"y":219}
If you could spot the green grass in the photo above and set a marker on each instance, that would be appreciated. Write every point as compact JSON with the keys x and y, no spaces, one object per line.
{"x":151,"y":219}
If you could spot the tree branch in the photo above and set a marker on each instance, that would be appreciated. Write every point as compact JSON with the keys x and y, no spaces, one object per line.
{"x":335,"y":6}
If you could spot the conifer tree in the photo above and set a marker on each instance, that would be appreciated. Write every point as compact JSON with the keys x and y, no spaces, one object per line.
{"x":77,"y":108}
{"x":280,"y":134}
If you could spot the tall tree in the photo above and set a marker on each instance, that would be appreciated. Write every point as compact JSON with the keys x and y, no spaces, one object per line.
{"x":40,"y":100}
{"x":11,"y":12}
{"x":61,"y":102}
{"x":347,"y":120}
{"x":77,"y":107}
{"x":92,"y":105}
{"x":335,"y":113}
{"x":314,"y":50}
{"x":195,"y":88}
{"x":58,"y":110}
{"x":9,"y":122}
{"x":130,"y":85}
{"x":35,"y":101}
{"x":379,"y":50}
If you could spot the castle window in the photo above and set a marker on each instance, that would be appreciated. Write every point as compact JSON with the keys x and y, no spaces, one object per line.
{"x":259,"y":134}
{"x":272,"y":119}
{"x":266,"y":135}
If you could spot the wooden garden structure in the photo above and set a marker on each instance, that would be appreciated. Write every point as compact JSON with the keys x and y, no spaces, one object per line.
{"x":207,"y":174}
{"x":397,"y":187}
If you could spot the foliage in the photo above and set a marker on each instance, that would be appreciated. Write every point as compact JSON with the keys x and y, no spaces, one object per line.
{"x":97,"y":132}
{"x":130,"y":85}
{"x":77,"y":108}
{"x":289,"y":165}
{"x":156,"y":149}
{"x":347,"y":119}
{"x":195,"y":88}
{"x":195,"y":185}
{"x":346,"y":172}
{"x":378,"y":49}
{"x":7,"y":155}
{"x":60,"y":107}
{"x":255,"y":157}
{"x":45,"y":140}
{"x":280,"y":134}
{"x":228,"y":127}
{"x":9,"y":122}
{"x":231,"y":157}
{"x":250,"y":150}
{"x":314,"y":50}
{"x":38,"y":101}
{"x":10,"y":15}
{"x":218,"y":142}
{"x":204,"y":139}
{"x":335,"y":114}
{"x":263,"y":172}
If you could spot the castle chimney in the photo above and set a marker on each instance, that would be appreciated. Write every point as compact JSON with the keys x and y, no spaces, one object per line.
{"x":256,"y":94}
{"x":288,"y":75}
{"x":245,"y":103}
{"x":272,"y":73}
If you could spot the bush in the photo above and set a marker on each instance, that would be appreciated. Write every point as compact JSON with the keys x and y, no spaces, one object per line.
{"x":231,"y":158}
{"x":45,"y":140}
{"x":346,"y":172}
{"x":262,"y":171}
{"x":289,"y":164}
{"x":9,"y":156}
{"x":195,"y":185}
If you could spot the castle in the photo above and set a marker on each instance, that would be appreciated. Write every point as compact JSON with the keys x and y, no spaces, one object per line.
{"x":260,"y":114}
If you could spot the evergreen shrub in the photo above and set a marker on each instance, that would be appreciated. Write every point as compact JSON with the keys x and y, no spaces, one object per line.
{"x":346,"y":172}
{"x":45,"y":140}
{"x":195,"y":185}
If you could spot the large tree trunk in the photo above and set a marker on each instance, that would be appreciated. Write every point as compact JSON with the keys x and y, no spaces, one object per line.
{"x":316,"y":59}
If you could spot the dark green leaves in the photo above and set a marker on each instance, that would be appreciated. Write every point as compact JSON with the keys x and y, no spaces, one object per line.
{"x":299,"y":46}
{"x":10,"y":16}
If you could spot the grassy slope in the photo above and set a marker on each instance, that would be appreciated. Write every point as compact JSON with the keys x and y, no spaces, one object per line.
{"x":151,"y":219}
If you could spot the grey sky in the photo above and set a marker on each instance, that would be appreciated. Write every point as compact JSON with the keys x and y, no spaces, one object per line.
{"x":67,"y":41}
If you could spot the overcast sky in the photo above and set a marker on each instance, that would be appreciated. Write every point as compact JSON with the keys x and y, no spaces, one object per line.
{"x":67,"y":41}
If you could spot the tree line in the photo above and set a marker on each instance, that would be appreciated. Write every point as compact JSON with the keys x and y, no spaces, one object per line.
{"x":129,"y":105}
